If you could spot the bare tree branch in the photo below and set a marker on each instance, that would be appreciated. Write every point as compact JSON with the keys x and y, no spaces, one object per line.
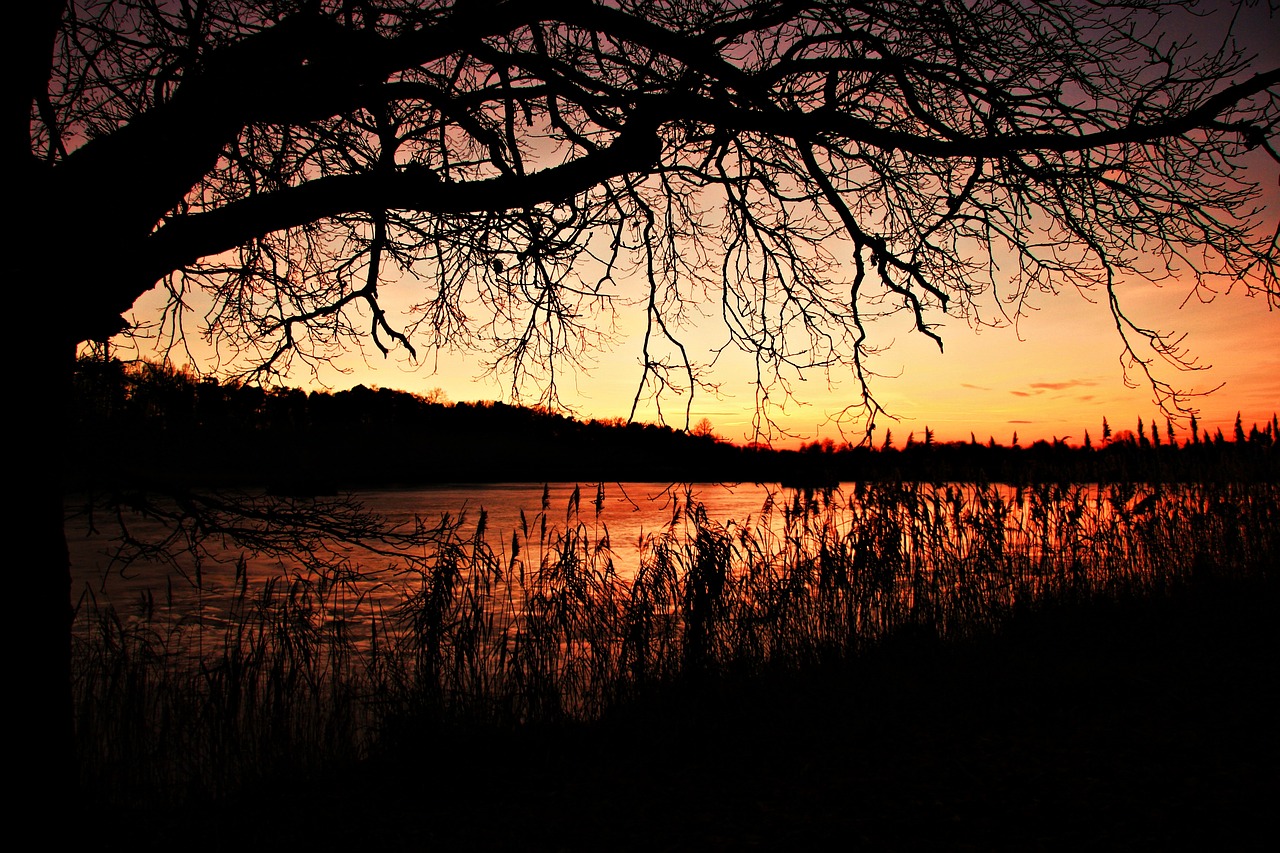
{"x":792,"y":170}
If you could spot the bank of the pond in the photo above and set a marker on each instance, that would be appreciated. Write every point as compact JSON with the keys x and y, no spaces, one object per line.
{"x":1141,"y":724}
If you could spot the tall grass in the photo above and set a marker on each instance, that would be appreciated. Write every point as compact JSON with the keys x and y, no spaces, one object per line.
{"x":307,"y":671}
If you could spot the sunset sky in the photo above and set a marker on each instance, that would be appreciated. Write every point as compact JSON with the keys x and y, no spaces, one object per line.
{"x":1061,"y":378}
{"x":1057,"y":374}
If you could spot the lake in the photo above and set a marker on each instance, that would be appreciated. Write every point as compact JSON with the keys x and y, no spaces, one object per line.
{"x":628,"y":512}
{"x":958,"y":539}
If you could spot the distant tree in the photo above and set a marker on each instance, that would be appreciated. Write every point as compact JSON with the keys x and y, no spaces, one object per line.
{"x":526,"y":171}
{"x":1124,"y":438}
{"x":1238,"y":430}
{"x":703,"y":428}
{"x":436,"y":396}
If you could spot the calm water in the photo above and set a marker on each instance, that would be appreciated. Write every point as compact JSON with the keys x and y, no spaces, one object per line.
{"x":622,"y":517}
{"x":628,"y":512}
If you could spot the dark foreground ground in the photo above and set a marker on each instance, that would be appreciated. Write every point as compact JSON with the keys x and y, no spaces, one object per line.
{"x":1121,"y":726}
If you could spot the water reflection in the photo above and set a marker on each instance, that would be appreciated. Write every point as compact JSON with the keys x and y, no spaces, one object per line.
{"x":162,"y":573}
{"x":896,"y":552}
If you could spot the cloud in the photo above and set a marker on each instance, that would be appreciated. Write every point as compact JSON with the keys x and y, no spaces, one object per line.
{"x":1020,"y":422}
{"x":974,"y":387}
{"x":1038,"y":388}
{"x":1062,"y":386}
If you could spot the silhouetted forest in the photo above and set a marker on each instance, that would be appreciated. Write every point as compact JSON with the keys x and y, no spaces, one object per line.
{"x":149,"y":425}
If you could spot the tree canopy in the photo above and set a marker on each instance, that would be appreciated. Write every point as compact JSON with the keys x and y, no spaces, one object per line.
{"x":523,"y":174}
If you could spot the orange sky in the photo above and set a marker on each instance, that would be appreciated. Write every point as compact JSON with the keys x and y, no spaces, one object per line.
{"x":1057,"y":375}
{"x":1062,"y":378}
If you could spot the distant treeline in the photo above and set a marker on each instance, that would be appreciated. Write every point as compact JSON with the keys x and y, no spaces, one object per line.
{"x":146,"y":424}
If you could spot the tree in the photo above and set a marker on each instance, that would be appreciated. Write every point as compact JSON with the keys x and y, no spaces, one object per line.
{"x":796,"y":168}
{"x":704,"y":428}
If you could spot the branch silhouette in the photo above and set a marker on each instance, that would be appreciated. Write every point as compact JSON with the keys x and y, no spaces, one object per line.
{"x":807,"y":167}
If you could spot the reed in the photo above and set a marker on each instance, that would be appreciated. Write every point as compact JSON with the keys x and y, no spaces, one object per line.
{"x":308,"y":671}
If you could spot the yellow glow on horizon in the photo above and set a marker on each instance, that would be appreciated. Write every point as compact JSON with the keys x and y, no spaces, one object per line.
{"x":1057,"y":376}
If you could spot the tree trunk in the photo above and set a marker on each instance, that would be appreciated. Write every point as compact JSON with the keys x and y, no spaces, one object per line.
{"x":40,"y":588}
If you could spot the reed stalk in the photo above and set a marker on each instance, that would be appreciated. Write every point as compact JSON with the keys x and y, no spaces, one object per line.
{"x":306,"y":670}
